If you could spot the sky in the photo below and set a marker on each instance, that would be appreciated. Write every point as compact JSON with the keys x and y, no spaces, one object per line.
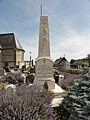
{"x":69,"y":25}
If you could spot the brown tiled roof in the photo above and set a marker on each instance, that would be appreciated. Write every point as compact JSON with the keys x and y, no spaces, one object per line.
{"x":9,"y":40}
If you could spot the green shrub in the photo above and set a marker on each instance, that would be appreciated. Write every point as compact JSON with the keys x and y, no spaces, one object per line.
{"x":61,"y":113}
{"x":10,"y":80}
{"x":29,"y":78}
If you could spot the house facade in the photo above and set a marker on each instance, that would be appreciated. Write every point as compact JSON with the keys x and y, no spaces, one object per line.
{"x":79,"y":63}
{"x":12,"y":52}
{"x":61,"y":64}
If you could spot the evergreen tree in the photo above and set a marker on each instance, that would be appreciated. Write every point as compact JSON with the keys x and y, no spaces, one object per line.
{"x":77,"y":99}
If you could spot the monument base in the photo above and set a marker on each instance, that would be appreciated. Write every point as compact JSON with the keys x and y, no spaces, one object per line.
{"x":50,"y":82}
{"x":55,"y":89}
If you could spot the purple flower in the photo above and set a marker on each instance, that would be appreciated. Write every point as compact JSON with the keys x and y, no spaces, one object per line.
{"x":27,"y":103}
{"x":68,"y":80}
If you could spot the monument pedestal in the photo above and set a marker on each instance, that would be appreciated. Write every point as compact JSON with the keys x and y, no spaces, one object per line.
{"x":50,"y":82}
{"x":44,"y":72}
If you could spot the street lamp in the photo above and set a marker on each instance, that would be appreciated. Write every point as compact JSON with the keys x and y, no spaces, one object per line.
{"x":30,"y":58}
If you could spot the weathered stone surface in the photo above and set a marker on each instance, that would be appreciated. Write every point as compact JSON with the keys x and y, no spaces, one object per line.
{"x":12,"y":52}
{"x":44,"y":63}
{"x":44,"y":68}
{"x":44,"y":45}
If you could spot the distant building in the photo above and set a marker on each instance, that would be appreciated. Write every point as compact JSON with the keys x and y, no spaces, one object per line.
{"x":28,"y":63}
{"x":12,"y":52}
{"x":61,"y":64}
{"x":79,"y":63}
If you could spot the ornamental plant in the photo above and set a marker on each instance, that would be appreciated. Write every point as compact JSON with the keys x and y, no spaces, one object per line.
{"x":12,"y":78}
{"x":27,"y":103}
{"x":77,"y":99}
{"x":68,"y":80}
{"x":61,"y":113}
{"x":29,"y":78}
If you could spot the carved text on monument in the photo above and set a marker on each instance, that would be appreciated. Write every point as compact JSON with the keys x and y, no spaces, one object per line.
{"x":44,"y":70}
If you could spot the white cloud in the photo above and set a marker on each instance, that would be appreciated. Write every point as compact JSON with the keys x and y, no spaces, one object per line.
{"x":69,"y":26}
{"x":65,"y":40}
{"x":31,"y":44}
{"x":74,"y":45}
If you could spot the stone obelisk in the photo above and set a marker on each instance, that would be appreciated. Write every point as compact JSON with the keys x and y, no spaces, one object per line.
{"x":44,"y":63}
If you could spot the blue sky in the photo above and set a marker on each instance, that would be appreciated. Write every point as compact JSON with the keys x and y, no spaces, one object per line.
{"x":69,"y":25}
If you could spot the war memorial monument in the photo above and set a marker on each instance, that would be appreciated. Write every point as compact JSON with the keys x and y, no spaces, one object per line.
{"x":44,"y":63}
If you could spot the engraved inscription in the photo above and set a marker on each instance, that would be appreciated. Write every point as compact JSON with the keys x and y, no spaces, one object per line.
{"x":44,"y":70}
